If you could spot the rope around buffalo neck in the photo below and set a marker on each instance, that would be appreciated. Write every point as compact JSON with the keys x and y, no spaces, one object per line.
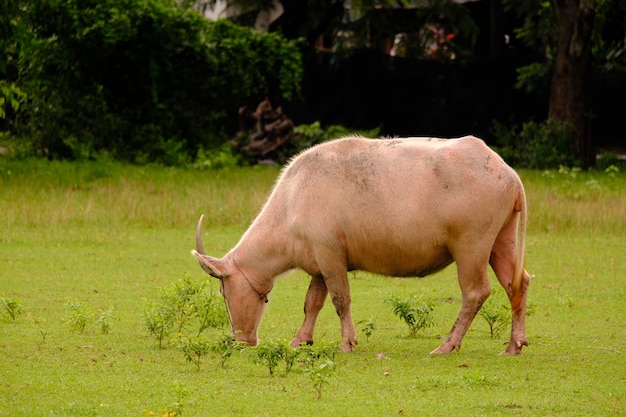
{"x":262,"y":296}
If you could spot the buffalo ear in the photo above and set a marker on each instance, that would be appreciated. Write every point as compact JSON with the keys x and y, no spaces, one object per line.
{"x":212,"y":266}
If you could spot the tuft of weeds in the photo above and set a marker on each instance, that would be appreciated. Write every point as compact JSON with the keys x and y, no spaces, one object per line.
{"x":13,"y":307}
{"x":174,"y":409}
{"x":184,"y":308}
{"x":318,"y":361}
{"x":367,"y":328}
{"x":104,"y":318}
{"x":225,"y":347}
{"x":194,"y":349}
{"x":78,"y":317}
{"x":416,"y":314}
{"x":319,"y":375}
{"x":271,"y":354}
{"x":496,"y":313}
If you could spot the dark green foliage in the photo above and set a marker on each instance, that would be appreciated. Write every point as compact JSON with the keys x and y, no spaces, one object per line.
{"x":309,"y":135}
{"x":143,"y":80}
{"x":536,"y":145}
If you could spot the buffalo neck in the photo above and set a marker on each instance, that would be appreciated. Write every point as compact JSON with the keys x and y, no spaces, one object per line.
{"x":263,"y":254}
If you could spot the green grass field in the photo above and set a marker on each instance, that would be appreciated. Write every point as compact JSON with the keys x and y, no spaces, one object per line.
{"x":108,"y":235}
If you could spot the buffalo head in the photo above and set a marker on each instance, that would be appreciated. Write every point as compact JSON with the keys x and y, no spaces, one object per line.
{"x":244,"y":302}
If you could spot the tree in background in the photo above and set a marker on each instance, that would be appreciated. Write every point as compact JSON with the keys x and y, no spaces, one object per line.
{"x":568,"y":101}
{"x":583,"y":42}
{"x":141,"y":80}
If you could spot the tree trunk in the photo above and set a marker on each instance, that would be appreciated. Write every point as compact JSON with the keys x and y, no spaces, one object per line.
{"x":567,"y":96}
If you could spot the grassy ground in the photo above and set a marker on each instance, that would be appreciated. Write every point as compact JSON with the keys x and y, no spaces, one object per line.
{"x":107,"y":235}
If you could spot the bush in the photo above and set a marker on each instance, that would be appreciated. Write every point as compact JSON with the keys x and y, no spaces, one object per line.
{"x":150,"y":81}
{"x":185,"y":308}
{"x":536,"y":145}
{"x":309,"y":135}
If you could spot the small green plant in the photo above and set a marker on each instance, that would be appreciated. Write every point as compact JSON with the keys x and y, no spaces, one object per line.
{"x":104,"y":319}
{"x":416,"y":314}
{"x":319,"y":375}
{"x":159,"y":320}
{"x":319,"y":363}
{"x":194,"y":349}
{"x":567,"y":300}
{"x":272,"y":353}
{"x":209,"y":310}
{"x":180,"y":297}
{"x":225,"y":347}
{"x":184,"y":308}
{"x":310,"y":355}
{"x":12,"y":307}
{"x":496,"y":314}
{"x":269,"y":354}
{"x":290,"y":356}
{"x":174,"y":409}
{"x":367,"y":328}
{"x":79,"y":316}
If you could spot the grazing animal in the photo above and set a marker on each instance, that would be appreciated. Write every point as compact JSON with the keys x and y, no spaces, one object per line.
{"x":397,"y":207}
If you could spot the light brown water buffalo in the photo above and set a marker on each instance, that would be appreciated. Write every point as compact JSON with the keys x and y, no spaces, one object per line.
{"x":396,"y":207}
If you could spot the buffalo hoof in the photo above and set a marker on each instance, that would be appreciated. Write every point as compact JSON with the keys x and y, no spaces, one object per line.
{"x":347,"y":345}
{"x":296,"y":343}
{"x":440,"y":351}
{"x":445,"y":349}
{"x":514,"y":348}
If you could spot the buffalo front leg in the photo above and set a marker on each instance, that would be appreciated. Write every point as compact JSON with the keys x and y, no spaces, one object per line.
{"x":475,"y":290}
{"x":313,"y":303}
{"x":334,"y":272}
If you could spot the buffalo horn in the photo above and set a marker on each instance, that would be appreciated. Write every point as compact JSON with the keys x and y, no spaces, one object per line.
{"x":199,"y":246}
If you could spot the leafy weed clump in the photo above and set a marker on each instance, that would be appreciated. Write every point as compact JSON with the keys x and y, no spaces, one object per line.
{"x":185,"y":308}
{"x":416,"y":314}
{"x":79,"y":316}
{"x":272,"y":353}
{"x":497,"y":315}
{"x":13,"y":307}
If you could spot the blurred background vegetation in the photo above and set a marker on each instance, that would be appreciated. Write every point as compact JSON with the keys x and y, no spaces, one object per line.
{"x":177,"y":82}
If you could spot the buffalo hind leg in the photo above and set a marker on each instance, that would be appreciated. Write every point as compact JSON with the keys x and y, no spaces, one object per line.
{"x":502,"y":260}
{"x":504,"y":268}
{"x":475,"y":289}
{"x":313,"y":303}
